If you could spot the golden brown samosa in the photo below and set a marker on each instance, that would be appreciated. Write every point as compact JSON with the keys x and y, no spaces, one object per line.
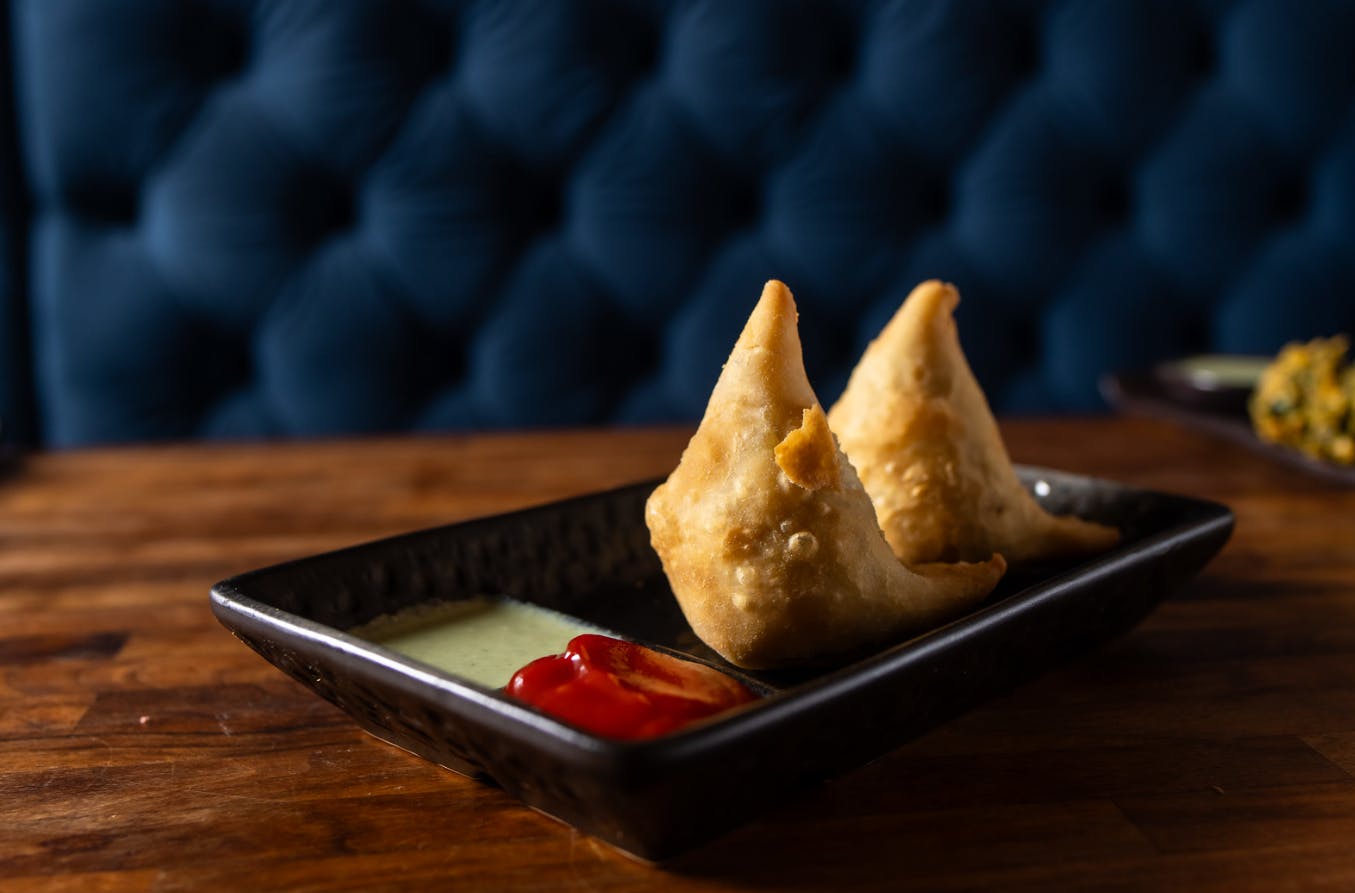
{"x":767,"y":537}
{"x":916,"y":425}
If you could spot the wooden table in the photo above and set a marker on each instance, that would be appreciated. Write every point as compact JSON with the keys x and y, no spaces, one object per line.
{"x":143,"y":748}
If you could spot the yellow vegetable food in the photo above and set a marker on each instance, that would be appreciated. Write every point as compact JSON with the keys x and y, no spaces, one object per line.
{"x":1306,"y":399}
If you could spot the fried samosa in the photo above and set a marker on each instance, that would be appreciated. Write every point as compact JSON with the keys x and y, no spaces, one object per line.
{"x":767,"y":537}
{"x":916,"y":425}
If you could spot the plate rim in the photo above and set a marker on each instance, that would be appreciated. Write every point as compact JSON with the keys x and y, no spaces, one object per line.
{"x":230,"y":601}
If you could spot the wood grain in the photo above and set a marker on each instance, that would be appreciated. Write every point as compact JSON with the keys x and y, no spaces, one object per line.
{"x":143,"y":748}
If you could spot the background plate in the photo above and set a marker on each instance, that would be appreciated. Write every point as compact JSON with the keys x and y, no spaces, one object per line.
{"x":1148,"y":395}
{"x":590,"y":557}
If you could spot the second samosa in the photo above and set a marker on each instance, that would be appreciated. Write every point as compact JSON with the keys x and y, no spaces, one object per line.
{"x":918,"y":428}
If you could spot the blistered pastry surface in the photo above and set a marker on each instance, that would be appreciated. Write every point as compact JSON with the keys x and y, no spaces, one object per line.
{"x":918,"y":428}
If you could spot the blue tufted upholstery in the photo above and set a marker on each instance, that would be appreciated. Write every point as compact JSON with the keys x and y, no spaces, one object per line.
{"x":308,"y":216}
{"x":16,"y":400}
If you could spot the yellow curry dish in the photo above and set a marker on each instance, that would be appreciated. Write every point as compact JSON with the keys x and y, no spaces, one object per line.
{"x":1305,"y":399}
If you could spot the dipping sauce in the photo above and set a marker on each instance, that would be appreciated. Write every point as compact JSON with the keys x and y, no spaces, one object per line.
{"x":1218,"y":371}
{"x":623,"y":690}
{"x":483,"y":640}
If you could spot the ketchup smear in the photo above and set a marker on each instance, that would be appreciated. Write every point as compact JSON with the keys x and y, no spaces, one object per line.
{"x":623,"y":690}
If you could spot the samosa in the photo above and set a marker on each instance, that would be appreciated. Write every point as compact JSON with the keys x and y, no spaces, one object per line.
{"x":915,"y":423}
{"x":768,"y":539}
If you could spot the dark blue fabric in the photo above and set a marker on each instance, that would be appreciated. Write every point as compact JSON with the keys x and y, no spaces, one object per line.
{"x":17,"y":420}
{"x":310,"y":217}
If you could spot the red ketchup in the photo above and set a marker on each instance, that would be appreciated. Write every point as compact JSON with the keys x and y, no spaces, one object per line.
{"x":623,"y":690}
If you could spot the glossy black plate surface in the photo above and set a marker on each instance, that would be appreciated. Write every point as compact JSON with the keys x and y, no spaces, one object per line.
{"x":590,"y":558}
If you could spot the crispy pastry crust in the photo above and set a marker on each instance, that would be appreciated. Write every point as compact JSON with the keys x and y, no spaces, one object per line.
{"x":917,"y":427}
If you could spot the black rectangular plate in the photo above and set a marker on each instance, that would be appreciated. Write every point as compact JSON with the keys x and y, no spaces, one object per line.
{"x":590,"y":558}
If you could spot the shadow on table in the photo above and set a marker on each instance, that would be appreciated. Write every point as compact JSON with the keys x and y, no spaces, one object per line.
{"x":905,"y":820}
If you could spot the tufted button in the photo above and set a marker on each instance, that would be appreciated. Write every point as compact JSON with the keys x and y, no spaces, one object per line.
{"x":1288,"y":199}
{"x":214,"y":45}
{"x":1201,"y":54}
{"x":840,"y":54}
{"x":1022,"y":53}
{"x":745,"y":205}
{"x":109,"y":204}
{"x":1114,"y":199}
{"x":933,"y":198}
{"x":641,"y":54}
{"x":535,"y":204}
{"x":318,"y":207}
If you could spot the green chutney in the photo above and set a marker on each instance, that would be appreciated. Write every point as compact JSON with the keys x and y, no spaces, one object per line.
{"x":483,"y":640}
